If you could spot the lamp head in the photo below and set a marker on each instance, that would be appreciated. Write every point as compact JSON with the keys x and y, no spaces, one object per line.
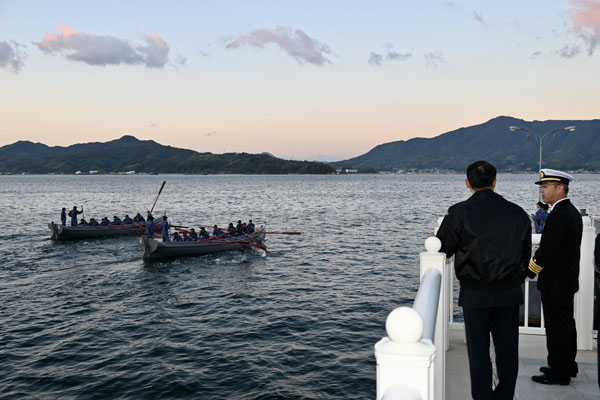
{"x":569,"y":128}
{"x":514,"y":128}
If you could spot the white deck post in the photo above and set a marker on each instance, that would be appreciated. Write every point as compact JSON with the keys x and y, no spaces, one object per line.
{"x":434,"y":259}
{"x":404,"y":360}
{"x":408,"y":365}
{"x":584,"y":298}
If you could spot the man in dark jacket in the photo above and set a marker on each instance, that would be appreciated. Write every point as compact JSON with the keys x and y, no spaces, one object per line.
{"x":556,"y":262}
{"x":490,"y":238}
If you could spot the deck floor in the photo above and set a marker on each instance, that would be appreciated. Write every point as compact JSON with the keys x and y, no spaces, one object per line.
{"x":532,"y":355}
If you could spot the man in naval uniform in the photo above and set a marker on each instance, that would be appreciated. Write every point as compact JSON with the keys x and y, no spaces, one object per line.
{"x":491,"y":240}
{"x":556,"y":262}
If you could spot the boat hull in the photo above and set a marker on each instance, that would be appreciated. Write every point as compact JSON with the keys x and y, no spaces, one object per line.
{"x":60,"y":232}
{"x":153,"y":249}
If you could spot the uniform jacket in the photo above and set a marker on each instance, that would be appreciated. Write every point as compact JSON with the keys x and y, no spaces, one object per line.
{"x":490,"y":238}
{"x":557,"y":258}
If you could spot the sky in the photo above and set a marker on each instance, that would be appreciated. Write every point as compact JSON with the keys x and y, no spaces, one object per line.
{"x":307,"y":79}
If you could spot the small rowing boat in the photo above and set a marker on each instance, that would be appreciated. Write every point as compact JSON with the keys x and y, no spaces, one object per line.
{"x":156,"y":248}
{"x":60,"y":232}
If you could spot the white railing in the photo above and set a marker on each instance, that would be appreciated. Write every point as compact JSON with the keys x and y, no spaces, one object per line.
{"x":411,"y":359}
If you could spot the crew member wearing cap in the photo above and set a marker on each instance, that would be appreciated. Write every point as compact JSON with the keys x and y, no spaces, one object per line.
{"x":73,"y":214}
{"x":150,"y":227}
{"x":556,"y":262}
{"x":164,"y":229}
{"x":63,"y":217}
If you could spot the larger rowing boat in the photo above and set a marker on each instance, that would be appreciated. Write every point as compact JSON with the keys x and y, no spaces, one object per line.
{"x":60,"y":232}
{"x":156,"y":248}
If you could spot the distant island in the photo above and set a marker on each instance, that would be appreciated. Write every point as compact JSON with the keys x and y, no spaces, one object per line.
{"x":130,"y":155}
{"x":509,"y":151}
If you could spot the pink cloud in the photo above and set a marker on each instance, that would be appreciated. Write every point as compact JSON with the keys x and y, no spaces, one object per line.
{"x":295,"y":43}
{"x":585,"y":16}
{"x":104,"y":50}
{"x":450,"y":4}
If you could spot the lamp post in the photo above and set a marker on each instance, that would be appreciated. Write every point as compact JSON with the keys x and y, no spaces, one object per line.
{"x":540,"y":139}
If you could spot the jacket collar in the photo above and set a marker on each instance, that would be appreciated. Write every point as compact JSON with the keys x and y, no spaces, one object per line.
{"x":563,"y":200}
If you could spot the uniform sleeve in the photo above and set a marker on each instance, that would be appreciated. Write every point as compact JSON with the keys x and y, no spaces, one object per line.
{"x":550,"y":245}
{"x":448,"y":233}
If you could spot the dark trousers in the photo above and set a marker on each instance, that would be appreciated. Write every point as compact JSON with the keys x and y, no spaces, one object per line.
{"x":561,"y":334}
{"x":503,"y":323}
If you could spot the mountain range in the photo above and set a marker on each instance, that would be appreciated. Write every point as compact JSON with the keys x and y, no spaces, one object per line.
{"x":142,"y":156}
{"x":452,"y":151}
{"x":492,"y":141}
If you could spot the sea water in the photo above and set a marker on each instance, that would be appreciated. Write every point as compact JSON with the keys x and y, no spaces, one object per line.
{"x":89,"y":319}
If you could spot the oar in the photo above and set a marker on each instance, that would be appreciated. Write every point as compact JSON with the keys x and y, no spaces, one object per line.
{"x":82,"y":213}
{"x":255,"y":243}
{"x":161,"y":188}
{"x":284,"y":233}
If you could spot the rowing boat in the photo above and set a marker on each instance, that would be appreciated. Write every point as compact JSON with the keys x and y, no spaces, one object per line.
{"x":60,"y":232}
{"x":156,"y":248}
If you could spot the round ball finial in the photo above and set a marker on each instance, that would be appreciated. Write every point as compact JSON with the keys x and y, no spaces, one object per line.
{"x":404,"y":325}
{"x":433,"y":244}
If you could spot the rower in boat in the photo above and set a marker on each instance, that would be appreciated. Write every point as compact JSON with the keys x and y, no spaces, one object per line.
{"x":139,"y":219}
{"x":63,"y":217}
{"x":150,"y":227}
{"x":164,"y":229}
{"x":250,"y":227}
{"x":203,"y":234}
{"x":176,"y":237}
{"x":73,"y":214}
{"x":193,"y":234}
{"x":105,"y":221}
{"x":82,"y":222}
{"x":116,"y":221}
{"x":127,"y":220}
{"x":231,"y":229}
{"x":93,"y":222}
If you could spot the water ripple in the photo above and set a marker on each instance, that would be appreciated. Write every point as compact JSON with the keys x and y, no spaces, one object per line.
{"x":90,"y":320}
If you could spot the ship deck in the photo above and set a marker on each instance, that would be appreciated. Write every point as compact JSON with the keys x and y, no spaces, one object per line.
{"x":532,"y":355}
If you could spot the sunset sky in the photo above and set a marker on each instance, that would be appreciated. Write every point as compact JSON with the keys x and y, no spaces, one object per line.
{"x":298,"y":79}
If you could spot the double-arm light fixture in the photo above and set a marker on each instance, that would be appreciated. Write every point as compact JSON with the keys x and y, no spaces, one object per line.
{"x":541,"y":138}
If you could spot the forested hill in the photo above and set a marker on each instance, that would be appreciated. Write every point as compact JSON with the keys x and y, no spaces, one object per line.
{"x":492,"y":141}
{"x":142,"y":156}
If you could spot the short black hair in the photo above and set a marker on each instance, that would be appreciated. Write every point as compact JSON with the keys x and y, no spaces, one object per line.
{"x":481,"y":174}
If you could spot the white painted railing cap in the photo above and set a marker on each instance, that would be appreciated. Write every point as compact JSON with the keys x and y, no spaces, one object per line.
{"x":433,"y":244}
{"x":404,"y":325}
{"x":587,"y":221}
